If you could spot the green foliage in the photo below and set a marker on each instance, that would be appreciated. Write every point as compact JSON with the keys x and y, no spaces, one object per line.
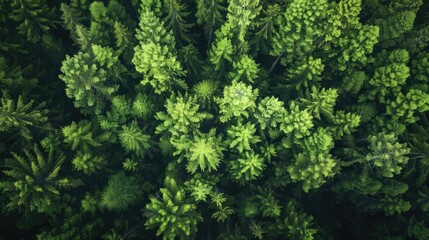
{"x":154,"y":56}
{"x":200,"y":191}
{"x":242,"y":137}
{"x":345,"y":123}
{"x":297,"y":123}
{"x":159,"y":67}
{"x":245,"y":70}
{"x":238,"y":100}
{"x":388,"y":205}
{"x":171,"y":213}
{"x":121,"y":192}
{"x":34,"y":181}
{"x":205,"y":152}
{"x":417,"y":229}
{"x":315,"y":164}
{"x":81,"y":136}
{"x":306,"y":73}
{"x":209,"y":14}
{"x":220,"y":52}
{"x":74,"y":226}
{"x":247,"y":168}
{"x":182,"y":115}
{"x":133,"y":140}
{"x":17,"y":115}
{"x":352,"y":40}
{"x":175,"y":20}
{"x":386,"y":154}
{"x":254,"y":113}
{"x":17,"y":79}
{"x":299,"y":29}
{"x":320,"y":102}
{"x":205,"y":91}
{"x":89,"y":203}
{"x":87,"y":163}
{"x":270,"y":112}
{"x":34,"y":17}
{"x":390,"y":78}
{"x":297,"y":224}
{"x":112,"y":235}
{"x":266,"y":28}
{"x":86,"y":80}
{"x":270,"y":205}
{"x":129,"y":165}
{"x":404,"y":108}
{"x":240,"y":14}
{"x":396,"y":25}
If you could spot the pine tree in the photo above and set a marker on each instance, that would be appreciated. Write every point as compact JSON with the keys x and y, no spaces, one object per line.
{"x":172,"y":213}
{"x":121,"y":192}
{"x":209,"y":13}
{"x":155,"y":57}
{"x":35,"y":18}
{"x":86,"y":81}
{"x":386,"y":154}
{"x":133,"y":140}
{"x":22,"y":116}
{"x":34,"y":182}
{"x":300,"y":30}
{"x":237,"y":101}
{"x":175,"y":20}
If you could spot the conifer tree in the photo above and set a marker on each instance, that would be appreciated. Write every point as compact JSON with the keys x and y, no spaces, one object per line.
{"x":34,"y":182}
{"x":22,"y":116}
{"x":35,"y":18}
{"x":172,"y":213}
{"x":214,"y":119}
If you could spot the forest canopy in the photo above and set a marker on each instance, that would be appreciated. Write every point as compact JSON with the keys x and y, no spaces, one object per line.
{"x":214,"y":119}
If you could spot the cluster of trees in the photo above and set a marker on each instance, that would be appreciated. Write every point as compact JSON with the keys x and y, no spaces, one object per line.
{"x":214,"y":119}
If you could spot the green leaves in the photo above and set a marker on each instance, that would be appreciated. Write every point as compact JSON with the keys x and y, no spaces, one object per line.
{"x":299,"y":27}
{"x":172,"y":213}
{"x":121,"y":192}
{"x":34,"y":181}
{"x":81,"y":136}
{"x":270,"y":112}
{"x":297,"y":123}
{"x":247,"y":168}
{"x":320,"y":102}
{"x":241,"y":137}
{"x":182,"y":115}
{"x":386,"y":154}
{"x":405,"y":107}
{"x":175,"y":20}
{"x":220,"y":52}
{"x":237,"y":101}
{"x":252,"y":112}
{"x":389,"y":79}
{"x":240,"y":14}
{"x":133,"y":139}
{"x":159,"y":67}
{"x":266,"y":28}
{"x":22,"y":116}
{"x":315,"y":164}
{"x":87,"y":163}
{"x":35,"y":18}
{"x":87,"y":81}
{"x":209,"y":14}
{"x":205,"y":152}
{"x":305,"y":74}
{"x":298,"y":224}
{"x":154,"y":56}
{"x":245,"y":70}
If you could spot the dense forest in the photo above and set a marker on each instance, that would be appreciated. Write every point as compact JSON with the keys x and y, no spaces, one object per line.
{"x":214,"y":119}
